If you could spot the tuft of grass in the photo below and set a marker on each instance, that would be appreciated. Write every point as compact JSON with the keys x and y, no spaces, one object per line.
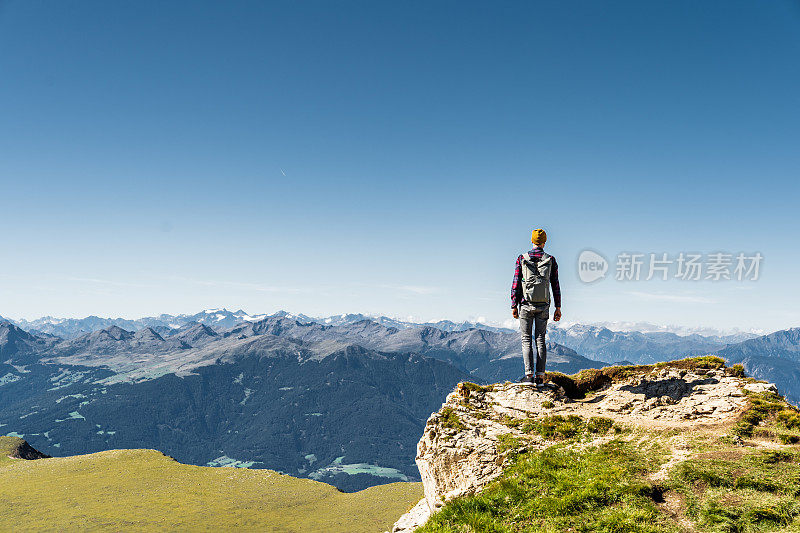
{"x":547,"y":404}
{"x":707,"y":362}
{"x":556,"y":427}
{"x":597,"y":489}
{"x":599,"y":424}
{"x":451,"y":420}
{"x":465,"y":389}
{"x":571,"y":427}
{"x":474,"y":387}
{"x":769,"y":416}
{"x":789,"y":419}
{"x":736,"y":370}
{"x":764,"y":407}
{"x":511,"y":421}
{"x":507,"y":442}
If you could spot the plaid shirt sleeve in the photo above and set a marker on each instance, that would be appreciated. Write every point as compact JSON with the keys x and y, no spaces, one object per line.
{"x":554,"y":284}
{"x":516,"y":287}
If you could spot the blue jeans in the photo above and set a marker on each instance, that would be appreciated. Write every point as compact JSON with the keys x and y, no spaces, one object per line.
{"x":533,"y":320}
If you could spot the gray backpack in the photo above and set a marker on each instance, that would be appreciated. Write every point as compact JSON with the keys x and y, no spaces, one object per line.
{"x":536,"y":279}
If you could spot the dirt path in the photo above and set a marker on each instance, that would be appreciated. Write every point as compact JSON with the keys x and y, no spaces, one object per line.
{"x":680,"y":452}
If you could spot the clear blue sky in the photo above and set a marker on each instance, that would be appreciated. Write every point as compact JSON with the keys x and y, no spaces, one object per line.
{"x":392,"y":157}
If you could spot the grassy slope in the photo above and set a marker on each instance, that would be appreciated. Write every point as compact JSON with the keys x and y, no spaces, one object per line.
{"x":145,"y":490}
{"x":745,"y":478}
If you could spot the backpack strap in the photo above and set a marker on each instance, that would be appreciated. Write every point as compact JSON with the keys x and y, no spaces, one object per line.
{"x":532,"y":260}
{"x":532,"y":263}
{"x":525,"y":258}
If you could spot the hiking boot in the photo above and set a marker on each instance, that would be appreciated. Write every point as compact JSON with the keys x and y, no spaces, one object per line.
{"x":526,"y":380}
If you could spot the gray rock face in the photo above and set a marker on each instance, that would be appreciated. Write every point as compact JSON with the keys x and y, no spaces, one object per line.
{"x":761,"y":387}
{"x":20,"y":345}
{"x":454,"y":461}
{"x":673,"y":395}
{"x":414,"y":518}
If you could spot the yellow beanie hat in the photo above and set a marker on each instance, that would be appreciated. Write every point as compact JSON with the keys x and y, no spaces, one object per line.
{"x":538,"y":237}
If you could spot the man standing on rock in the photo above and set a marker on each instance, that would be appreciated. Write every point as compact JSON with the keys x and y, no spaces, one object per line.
{"x":534,"y":274}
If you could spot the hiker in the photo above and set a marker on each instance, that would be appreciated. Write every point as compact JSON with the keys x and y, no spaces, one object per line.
{"x":534,"y":274}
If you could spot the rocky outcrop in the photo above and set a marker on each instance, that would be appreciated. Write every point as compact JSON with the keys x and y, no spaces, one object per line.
{"x":466,"y":444}
{"x":16,"y":448}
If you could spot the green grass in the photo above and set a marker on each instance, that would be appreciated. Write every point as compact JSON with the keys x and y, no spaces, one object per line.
{"x":741,"y":489}
{"x":559,"y":427}
{"x":451,"y":420}
{"x":599,"y":489}
{"x":708,"y":362}
{"x":143,"y":490}
{"x":599,"y":424}
{"x":769,"y":416}
{"x":738,"y":491}
{"x":789,"y":418}
{"x":508,"y":442}
{"x":556,"y":427}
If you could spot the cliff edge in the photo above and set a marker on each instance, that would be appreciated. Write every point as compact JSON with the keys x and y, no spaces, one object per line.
{"x":688,"y":433}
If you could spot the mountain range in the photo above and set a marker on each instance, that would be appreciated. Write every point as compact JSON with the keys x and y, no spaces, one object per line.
{"x":610,"y":342}
{"x":342,"y":404}
{"x":223,"y":318}
{"x":340,"y":400}
{"x":67,"y":328}
{"x":775,"y":357}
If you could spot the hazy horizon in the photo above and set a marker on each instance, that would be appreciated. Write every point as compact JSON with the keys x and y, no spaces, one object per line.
{"x":510,"y":323}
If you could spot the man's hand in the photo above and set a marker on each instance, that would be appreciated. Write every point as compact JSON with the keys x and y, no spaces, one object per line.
{"x":557,"y":314}
{"x":515,"y":312}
